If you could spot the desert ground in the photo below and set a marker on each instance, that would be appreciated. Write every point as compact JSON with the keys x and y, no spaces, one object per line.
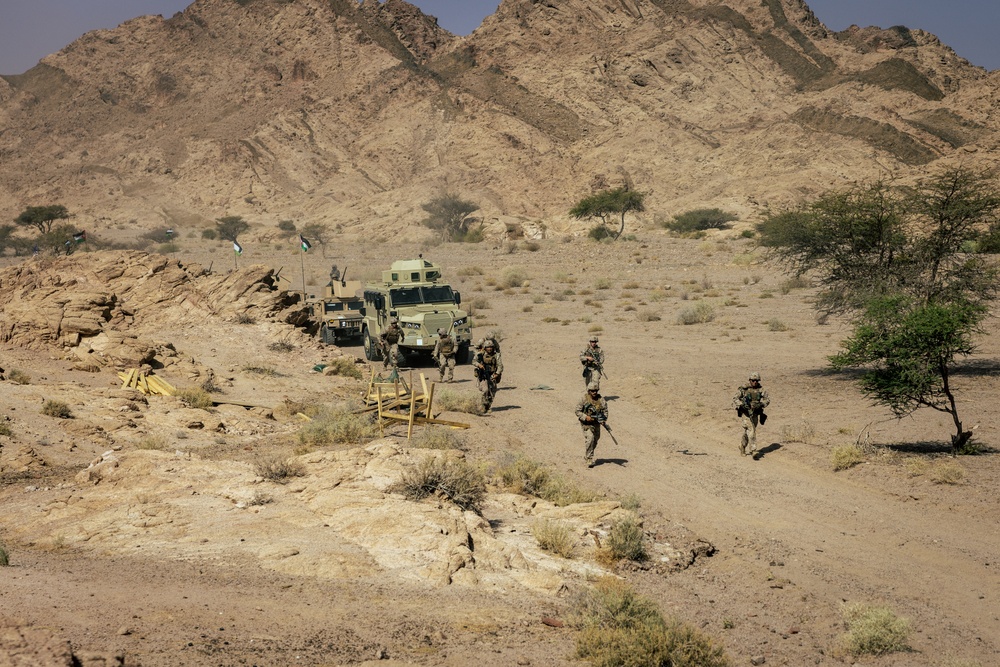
{"x":913,"y":527}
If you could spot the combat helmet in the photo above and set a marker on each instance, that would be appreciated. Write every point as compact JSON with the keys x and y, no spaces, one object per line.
{"x":755,"y":376}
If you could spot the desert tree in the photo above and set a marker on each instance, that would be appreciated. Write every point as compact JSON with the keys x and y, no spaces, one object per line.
{"x":230,"y":227}
{"x":318,"y":232}
{"x":450,"y":214}
{"x":906,"y":263}
{"x":6,"y":234}
{"x":42,"y":217}
{"x":57,"y":240}
{"x":287,"y":229}
{"x":699,"y":220}
{"x":607,"y":205}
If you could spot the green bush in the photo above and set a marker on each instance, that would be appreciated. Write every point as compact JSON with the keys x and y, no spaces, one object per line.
{"x":874,"y":630}
{"x":554,"y":537}
{"x":209,"y":234}
{"x":56,"y":409}
{"x":455,"y":479}
{"x":619,"y":628}
{"x":338,"y":425}
{"x":598,"y":233}
{"x":700,"y":219}
{"x":627,"y":542}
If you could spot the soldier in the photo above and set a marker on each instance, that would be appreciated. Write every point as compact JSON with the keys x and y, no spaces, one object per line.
{"x":488,"y":367}
{"x":391,"y":338}
{"x":592,"y":359}
{"x":750,"y":402}
{"x":592,"y":411}
{"x":444,"y":351}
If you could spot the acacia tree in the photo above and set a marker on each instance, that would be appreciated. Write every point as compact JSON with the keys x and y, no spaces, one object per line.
{"x":449,"y":214}
{"x":230,"y":227}
{"x":903,"y":263}
{"x":42,"y":217}
{"x":319,"y":232}
{"x":608,"y":203}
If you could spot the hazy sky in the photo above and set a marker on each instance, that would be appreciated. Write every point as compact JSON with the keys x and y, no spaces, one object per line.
{"x":32,"y":29}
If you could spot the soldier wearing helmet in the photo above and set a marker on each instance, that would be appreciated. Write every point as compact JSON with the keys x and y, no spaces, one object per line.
{"x":391,"y":338}
{"x":591,"y":411}
{"x":488,"y":367}
{"x":750,"y":401}
{"x":592,"y":359}
{"x":445,"y":349}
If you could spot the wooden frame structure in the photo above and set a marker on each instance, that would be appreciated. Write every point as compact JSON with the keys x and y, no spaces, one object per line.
{"x":418,"y":406}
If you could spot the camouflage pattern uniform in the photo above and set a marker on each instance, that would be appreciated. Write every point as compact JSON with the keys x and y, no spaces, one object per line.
{"x":591,"y":411}
{"x":391,"y":338}
{"x":750,"y":402}
{"x":592,"y":359}
{"x":445,"y":350}
{"x":489,"y":370}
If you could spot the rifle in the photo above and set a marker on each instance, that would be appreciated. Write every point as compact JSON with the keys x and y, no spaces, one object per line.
{"x":483,"y":374}
{"x":603,"y":421}
{"x":598,"y":367}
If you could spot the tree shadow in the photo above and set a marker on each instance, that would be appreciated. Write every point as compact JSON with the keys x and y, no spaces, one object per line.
{"x":618,"y":462}
{"x":977,"y":368}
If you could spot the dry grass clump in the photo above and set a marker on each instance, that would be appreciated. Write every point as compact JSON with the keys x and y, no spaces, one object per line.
{"x":344,"y":366}
{"x":337,"y":425}
{"x":455,"y":480}
{"x":5,"y":428}
{"x":554,"y":537}
{"x":800,"y":432}
{"x":262,"y":370}
{"x":196,"y":397}
{"x":619,"y":628}
{"x":18,"y":376}
{"x":626,"y":541}
{"x":513,"y":276}
{"x":946,"y":473}
{"x":874,"y":630}
{"x":699,"y":314}
{"x":478,"y":303}
{"x":521,"y":475}
{"x":532,"y":246}
{"x":470,"y":271}
{"x":4,"y":557}
{"x":774,"y":324}
{"x":153,"y":441}
{"x":280,"y":346}
{"x":647,"y":316}
{"x":846,"y":456}
{"x":56,"y":409}
{"x":459,"y":401}
{"x":439,"y":437}
{"x":277,"y":469}
{"x":245,"y":318}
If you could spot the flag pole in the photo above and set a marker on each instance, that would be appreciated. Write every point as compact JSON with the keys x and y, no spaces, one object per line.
{"x":305,"y":245}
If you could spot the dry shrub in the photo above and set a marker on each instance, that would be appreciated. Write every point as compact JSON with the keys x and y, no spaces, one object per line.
{"x":530,"y":478}
{"x":56,"y":409}
{"x":946,"y":473}
{"x":439,"y":437}
{"x":874,"y":630}
{"x":699,"y":314}
{"x":621,"y":628}
{"x":4,"y":557}
{"x":774,"y":324}
{"x":513,"y":276}
{"x":801,"y":432}
{"x":647,"y":316}
{"x":459,"y":401}
{"x":18,"y":376}
{"x":554,"y":537}
{"x":245,"y":318}
{"x":337,"y":425}
{"x":262,"y":370}
{"x":153,"y":441}
{"x":456,"y":480}
{"x":280,"y":346}
{"x":344,"y":366}
{"x":277,"y":469}
{"x":626,"y":541}
{"x":196,"y":397}
{"x":846,"y":456}
{"x":5,"y":428}
{"x":532,"y":246}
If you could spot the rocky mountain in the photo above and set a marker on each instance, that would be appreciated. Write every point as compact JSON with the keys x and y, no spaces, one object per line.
{"x":355,"y":114}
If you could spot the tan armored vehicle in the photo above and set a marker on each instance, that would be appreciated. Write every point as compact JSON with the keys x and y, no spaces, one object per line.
{"x":412,"y":292}
{"x":338,"y":312}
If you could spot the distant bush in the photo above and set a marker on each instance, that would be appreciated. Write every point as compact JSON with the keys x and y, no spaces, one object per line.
{"x":699,"y":314}
{"x":56,"y":409}
{"x":947,"y":473}
{"x":280,"y":346}
{"x":449,"y":215}
{"x":18,"y":376}
{"x":276,"y":469}
{"x":874,"y":630}
{"x":846,"y":456}
{"x":153,"y":441}
{"x":455,"y":479}
{"x":599,"y":233}
{"x":196,"y":397}
{"x":554,"y":537}
{"x":4,"y":557}
{"x":700,"y":219}
{"x":458,"y":401}
{"x":627,"y":542}
{"x":338,"y":425}
{"x":5,"y":428}
{"x":245,"y":318}
{"x":619,"y":628}
{"x":209,"y":234}
{"x":513,"y":276}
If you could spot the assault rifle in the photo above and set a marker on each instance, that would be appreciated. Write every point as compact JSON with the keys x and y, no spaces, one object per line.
{"x":594,"y":365}
{"x":603,"y":421}
{"x":483,"y":374}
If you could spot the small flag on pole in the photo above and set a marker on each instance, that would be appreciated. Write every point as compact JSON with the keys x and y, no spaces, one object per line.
{"x":80,"y":237}
{"x":237,"y":248}
{"x":305,"y":244}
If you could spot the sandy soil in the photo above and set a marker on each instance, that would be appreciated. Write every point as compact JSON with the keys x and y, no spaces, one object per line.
{"x":795,"y":540}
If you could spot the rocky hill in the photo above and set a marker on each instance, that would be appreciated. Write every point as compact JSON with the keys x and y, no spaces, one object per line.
{"x":354,"y":115}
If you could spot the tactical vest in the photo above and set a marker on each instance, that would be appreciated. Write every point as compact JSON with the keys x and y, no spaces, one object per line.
{"x":751,"y":398}
{"x":447,"y":345}
{"x":392,"y":335}
{"x":593,"y":408}
{"x":490,"y":361}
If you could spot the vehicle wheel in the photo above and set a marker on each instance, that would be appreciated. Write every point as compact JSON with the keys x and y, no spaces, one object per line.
{"x":464,"y":355}
{"x":326,"y":334}
{"x":372,"y":351}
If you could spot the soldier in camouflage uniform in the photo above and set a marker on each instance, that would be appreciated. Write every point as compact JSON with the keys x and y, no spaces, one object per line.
{"x":391,"y":338}
{"x":592,"y":410}
{"x":444,"y":351}
{"x":592,"y":359}
{"x":750,"y":402}
{"x":488,"y":367}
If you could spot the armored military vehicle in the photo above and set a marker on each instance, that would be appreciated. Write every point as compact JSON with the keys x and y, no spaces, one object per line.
{"x":338,"y":312}
{"x":412,"y":292}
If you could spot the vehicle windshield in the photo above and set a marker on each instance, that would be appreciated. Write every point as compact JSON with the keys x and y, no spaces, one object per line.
{"x":412,"y":296}
{"x":338,"y":306}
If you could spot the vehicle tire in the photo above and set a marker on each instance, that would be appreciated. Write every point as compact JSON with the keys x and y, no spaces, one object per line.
{"x":464,"y":354}
{"x":372,"y":351}
{"x":326,"y":334}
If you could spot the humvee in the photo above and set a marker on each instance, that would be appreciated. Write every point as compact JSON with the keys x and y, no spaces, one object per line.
{"x":338,"y":312}
{"x":412,"y":292}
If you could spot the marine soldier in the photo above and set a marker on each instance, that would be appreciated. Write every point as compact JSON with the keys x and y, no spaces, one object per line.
{"x":391,"y":338}
{"x":750,"y":401}
{"x":592,"y":411}
{"x":444,"y":351}
{"x":592,"y":359}
{"x":488,"y":367}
